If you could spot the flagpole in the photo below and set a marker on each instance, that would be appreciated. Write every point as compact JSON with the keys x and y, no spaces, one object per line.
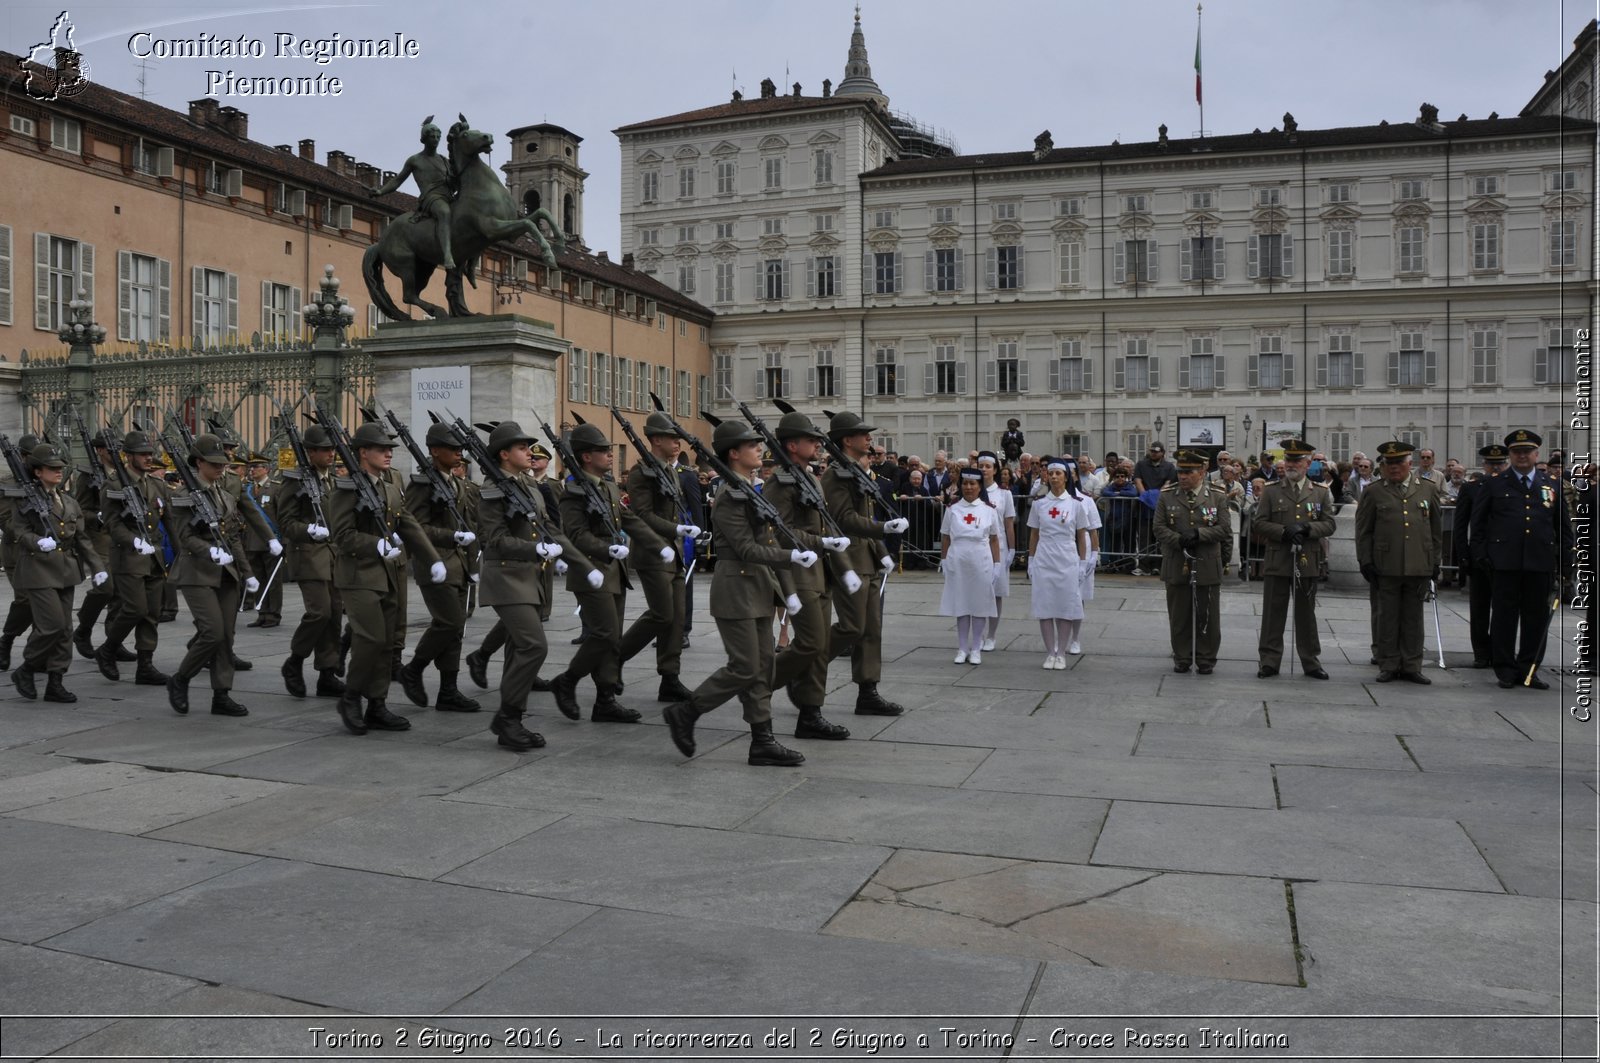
{"x":1199,"y":96}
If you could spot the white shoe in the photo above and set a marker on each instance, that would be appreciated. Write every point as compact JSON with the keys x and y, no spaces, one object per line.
{"x":1050,"y":661}
{"x":1074,"y":649}
{"x":1061,"y":664}
{"x":961,"y":656}
{"x":975,"y":657}
{"x":988,"y":644}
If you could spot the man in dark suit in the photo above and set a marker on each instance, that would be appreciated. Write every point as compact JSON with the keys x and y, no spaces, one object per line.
{"x":938,"y":477}
{"x":1519,"y":529}
{"x":1478,"y":581}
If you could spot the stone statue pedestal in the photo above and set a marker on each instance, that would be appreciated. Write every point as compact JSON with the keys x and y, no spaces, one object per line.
{"x":511,"y":364}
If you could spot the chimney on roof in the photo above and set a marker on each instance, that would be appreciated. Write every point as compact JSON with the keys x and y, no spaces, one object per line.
{"x":827,"y":87}
{"x":1161,"y":133}
{"x":235,"y":122}
{"x":287,"y":149}
{"x":1493,"y":115}
{"x":367,"y":174}
{"x":797,"y":90}
{"x":1289,"y":124}
{"x":601,"y":255}
{"x":1428,"y":117}
{"x":627,"y":260}
{"x":1042,"y":145}
{"x":340,"y":163}
{"x":308,"y":150}
{"x":737,"y":95}
{"x":205,"y":112}
{"x":769,"y":89}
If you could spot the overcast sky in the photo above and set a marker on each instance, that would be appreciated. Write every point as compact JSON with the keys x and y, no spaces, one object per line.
{"x":993,"y":74}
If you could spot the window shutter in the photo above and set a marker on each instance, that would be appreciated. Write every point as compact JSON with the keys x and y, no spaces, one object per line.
{"x":1394,"y":369}
{"x":1022,"y":375}
{"x":961,"y":280}
{"x":1217,"y":362}
{"x":86,"y":272}
{"x":1541,"y":366}
{"x":1055,"y":374}
{"x":294,"y":312}
{"x":1088,"y":375}
{"x":1218,"y":260}
{"x":927,"y":272}
{"x":1185,"y":273}
{"x":1430,"y":370}
{"x":41,"y":280}
{"x":961,"y":378}
{"x":1322,"y":369}
{"x":164,"y":160}
{"x":1288,"y":254}
{"x":1153,"y":261}
{"x":811,"y":278}
{"x":988,"y":266}
{"x":1183,"y":372}
{"x":233,"y":183}
{"x":124,"y":295}
{"x":990,"y":376}
{"x":1118,"y":382}
{"x":899,"y":273}
{"x":811,"y":381}
{"x":784,"y":291}
{"x":869,"y":279}
{"x":788,"y":385}
{"x":929,"y":385}
{"x":233,"y":307}
{"x":1155,"y":373}
{"x":900,"y":374}
{"x":266,"y":309}
{"x":1288,"y":369}
{"x":1253,"y":259}
{"x":346,"y":216}
{"x":197,"y":288}
{"x":1252,"y":375}
{"x":5,"y":275}
{"x":761,"y":384}
{"x":1119,"y":267}
{"x":1022,"y":260}
{"x":1359,"y":376}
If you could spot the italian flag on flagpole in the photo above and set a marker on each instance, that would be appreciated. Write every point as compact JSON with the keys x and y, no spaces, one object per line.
{"x":1197,"y":98}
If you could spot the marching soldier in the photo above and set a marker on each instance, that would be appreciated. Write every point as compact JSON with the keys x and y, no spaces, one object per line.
{"x":1520,"y":531}
{"x":100,"y":597}
{"x":138,"y":573}
{"x":802,"y":668}
{"x":1399,"y":544}
{"x":257,"y":494}
{"x":310,"y":564}
{"x":663,"y":585}
{"x":744,"y":591}
{"x":440,"y":644}
{"x":601,"y":609}
{"x":1293,"y":518}
{"x":18,"y":617}
{"x":211,"y":571}
{"x":858,"y":629}
{"x":1193,"y":528}
{"x":52,"y":555}
{"x":368,"y":568}
{"x":1478,"y":581}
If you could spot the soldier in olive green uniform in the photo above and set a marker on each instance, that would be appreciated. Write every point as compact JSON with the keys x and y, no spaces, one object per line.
{"x":1399,"y":546}
{"x":440,"y":644}
{"x":52,"y":556}
{"x":600,"y":653}
{"x":859,"y":625}
{"x":310,"y":564}
{"x":666,"y":512}
{"x":1191,"y":525}
{"x":99,"y":598}
{"x":18,"y":616}
{"x":751,"y":579}
{"x":1293,"y":517}
{"x":138,"y":572}
{"x":212,"y":572}
{"x":369,"y":556}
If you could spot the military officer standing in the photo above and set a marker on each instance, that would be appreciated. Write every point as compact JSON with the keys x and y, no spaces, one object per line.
{"x":257,"y":494}
{"x":1293,"y":517}
{"x":369,"y":569}
{"x":310,"y":565}
{"x":138,"y":573}
{"x":1479,"y":581}
{"x":1520,"y":531}
{"x":1399,"y":545}
{"x":1192,"y":526}
{"x":100,"y":598}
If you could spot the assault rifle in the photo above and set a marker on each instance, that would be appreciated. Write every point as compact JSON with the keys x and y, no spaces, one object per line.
{"x":310,"y":483}
{"x":865,"y":482}
{"x":366,"y":494}
{"x":33,"y":497}
{"x":128,"y":493}
{"x":519,"y":499}
{"x":664,"y":477}
{"x":804,"y":482}
{"x":97,"y":472}
{"x":443,"y":490}
{"x":569,"y":461}
{"x":199,"y":498}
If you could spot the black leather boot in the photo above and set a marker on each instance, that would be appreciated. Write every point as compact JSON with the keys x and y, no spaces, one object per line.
{"x":450,"y":698}
{"x":83,"y":641}
{"x":672,"y":689}
{"x":680,"y":717}
{"x":123,"y":655}
{"x":507,"y":727}
{"x":565,"y":690}
{"x":22,"y":679}
{"x":5,"y":651}
{"x":146,"y":674}
{"x":107,"y":663}
{"x":478,"y":669}
{"x":870,"y":703}
{"x":765,"y":752}
{"x":294,"y":680}
{"x":329,"y":685}
{"x":55,"y":690}
{"x":542,"y":686}
{"x":411,"y":682}
{"x":379,"y":716}
{"x":240,"y":664}
{"x":223,"y":705}
{"x":350,"y":713}
{"x":178,"y":694}
{"x":608,"y":710}
{"x":812,"y":724}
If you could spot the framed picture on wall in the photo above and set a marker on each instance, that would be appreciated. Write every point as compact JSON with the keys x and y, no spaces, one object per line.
{"x":1202,"y":431}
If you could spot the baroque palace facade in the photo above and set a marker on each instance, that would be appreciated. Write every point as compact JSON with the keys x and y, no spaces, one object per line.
{"x":1423,"y":279}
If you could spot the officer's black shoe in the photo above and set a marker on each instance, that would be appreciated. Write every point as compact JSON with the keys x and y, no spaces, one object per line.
{"x":564,"y":688}
{"x":608,"y":710}
{"x":223,"y":705}
{"x":83,"y":641}
{"x":329,"y":685}
{"x":1372,"y":660}
{"x":1266,"y":671}
{"x":1505,"y":684}
{"x":577,"y":640}
{"x":812,"y":724}
{"x":541,"y":685}
{"x":672,"y":689}
{"x":167,"y":617}
{"x":685,"y":643}
{"x":680,"y":717}
{"x":178,"y":694}
{"x":1386,"y":677}
{"x":411,"y":683}
{"x":1316,"y":673}
{"x":1205,"y":669}
{"x":5,"y":651}
{"x":1180,"y":668}
{"x":54,"y":690}
{"x":240,"y":664}
{"x":1482,"y":662}
{"x":1536,"y":683}
{"x":22,"y":679}
{"x":765,"y":752}
{"x":107,"y":664}
{"x":294,"y":680}
{"x":478,"y":669}
{"x":1415,"y":677}
{"x":507,"y":728}
{"x":450,"y":698}
{"x":350,"y":713}
{"x":146,"y":674}
{"x":123,"y":655}
{"x":379,"y":716}
{"x":871,"y":703}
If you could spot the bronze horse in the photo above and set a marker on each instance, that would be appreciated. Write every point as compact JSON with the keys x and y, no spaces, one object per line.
{"x":482,"y":213}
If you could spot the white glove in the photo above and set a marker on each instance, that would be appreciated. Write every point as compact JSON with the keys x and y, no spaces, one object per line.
{"x":548,"y":551}
{"x":561,"y":568}
{"x":852,"y":582}
{"x":803,"y":558}
{"x":792,"y":604}
{"x":999,"y":570}
{"x":317,"y":532}
{"x":689,"y":531}
{"x":1094,"y":558}
{"x":1007,"y":556}
{"x":838,"y":544}
{"x":668,"y":554}
{"x":386,"y":549}
{"x":275,"y":548}
{"x":221,"y":556}
{"x":596,"y":578}
{"x":46,"y":544}
{"x":100,"y":579}
{"x":886,"y":563}
{"x":617,"y":550}
{"x":252,"y":585}
{"x":394,"y":538}
{"x":896,"y":526}
{"x":143,"y":547}
{"x":465,"y":538}
{"x":437,"y":572}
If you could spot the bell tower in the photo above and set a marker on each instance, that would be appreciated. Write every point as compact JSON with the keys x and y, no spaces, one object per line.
{"x":543,"y":172}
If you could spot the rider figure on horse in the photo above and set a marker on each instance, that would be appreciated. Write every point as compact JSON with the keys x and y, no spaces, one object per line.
{"x":435,"y":182}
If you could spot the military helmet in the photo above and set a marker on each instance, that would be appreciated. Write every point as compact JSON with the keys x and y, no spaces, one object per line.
{"x":316,"y":438}
{"x":137,"y":442}
{"x":372,"y":434}
{"x":848,"y":424}
{"x":208,"y":447}
{"x":507,"y":434}
{"x":588,"y":437}
{"x":730,"y":434}
{"x":797,"y":426}
{"x":659,"y":424}
{"x":442,"y":435}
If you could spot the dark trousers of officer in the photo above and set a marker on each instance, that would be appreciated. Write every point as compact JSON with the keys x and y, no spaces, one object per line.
{"x":859,"y":623}
{"x":1372,"y":618}
{"x":748,"y":673}
{"x":49,"y":647}
{"x":524,"y":632}
{"x":374,"y":617}
{"x":1183,"y":606}
{"x":600,"y":652}
{"x":317,"y":634}
{"x":262,"y":563}
{"x":497,"y":636}
{"x":18,"y":617}
{"x":1480,"y":596}
{"x":1275,"y":612}
{"x":215,"y":611}
{"x":803,"y":667}
{"x":1520,"y":600}
{"x":141,"y":598}
{"x":661,"y":621}
{"x":1399,"y":622}
{"x":440,"y":644}
{"x":97,"y":600}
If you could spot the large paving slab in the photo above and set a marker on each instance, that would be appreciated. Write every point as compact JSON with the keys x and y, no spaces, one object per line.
{"x":386,"y":761}
{"x":1126,"y":778}
{"x":1098,"y":675}
{"x":329,"y":936}
{"x":1526,"y":795}
{"x":1538,"y":861}
{"x":790,"y":883}
{"x":1435,"y":718}
{"x":1055,"y":732}
{"x":1268,"y":745}
{"x":263,"y":822}
{"x":190,"y":743}
{"x":1298,"y":845}
{"x":874,"y":761}
{"x":1476,"y":754}
{"x":66,"y":779}
{"x":1095,"y":705}
{"x":1239,"y":681}
{"x":15,"y":763}
{"x":22,"y":723}
{"x":149,"y":804}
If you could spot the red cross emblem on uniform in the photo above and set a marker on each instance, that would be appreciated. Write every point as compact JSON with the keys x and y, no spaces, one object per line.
{"x":1054,"y":512}
{"x":970,"y":519}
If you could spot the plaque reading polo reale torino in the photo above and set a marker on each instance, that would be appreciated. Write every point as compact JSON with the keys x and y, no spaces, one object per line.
{"x":439,"y":388}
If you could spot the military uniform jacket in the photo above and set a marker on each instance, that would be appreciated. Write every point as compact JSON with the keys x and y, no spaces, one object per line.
{"x":511,"y":567}
{"x":194,"y":567}
{"x":656,"y":508}
{"x":232,"y":483}
{"x":754,"y":574}
{"x":440,"y":527}
{"x":806,"y":523}
{"x":356,"y":564}
{"x":1399,"y":528}
{"x":1521,"y":529}
{"x":1466,"y":503}
{"x":1207,"y":512}
{"x":124,"y":559}
{"x":309,"y":561}
{"x":1281,"y":506}
{"x":584,"y":529}
{"x":66,"y":565}
{"x":852,"y":511}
